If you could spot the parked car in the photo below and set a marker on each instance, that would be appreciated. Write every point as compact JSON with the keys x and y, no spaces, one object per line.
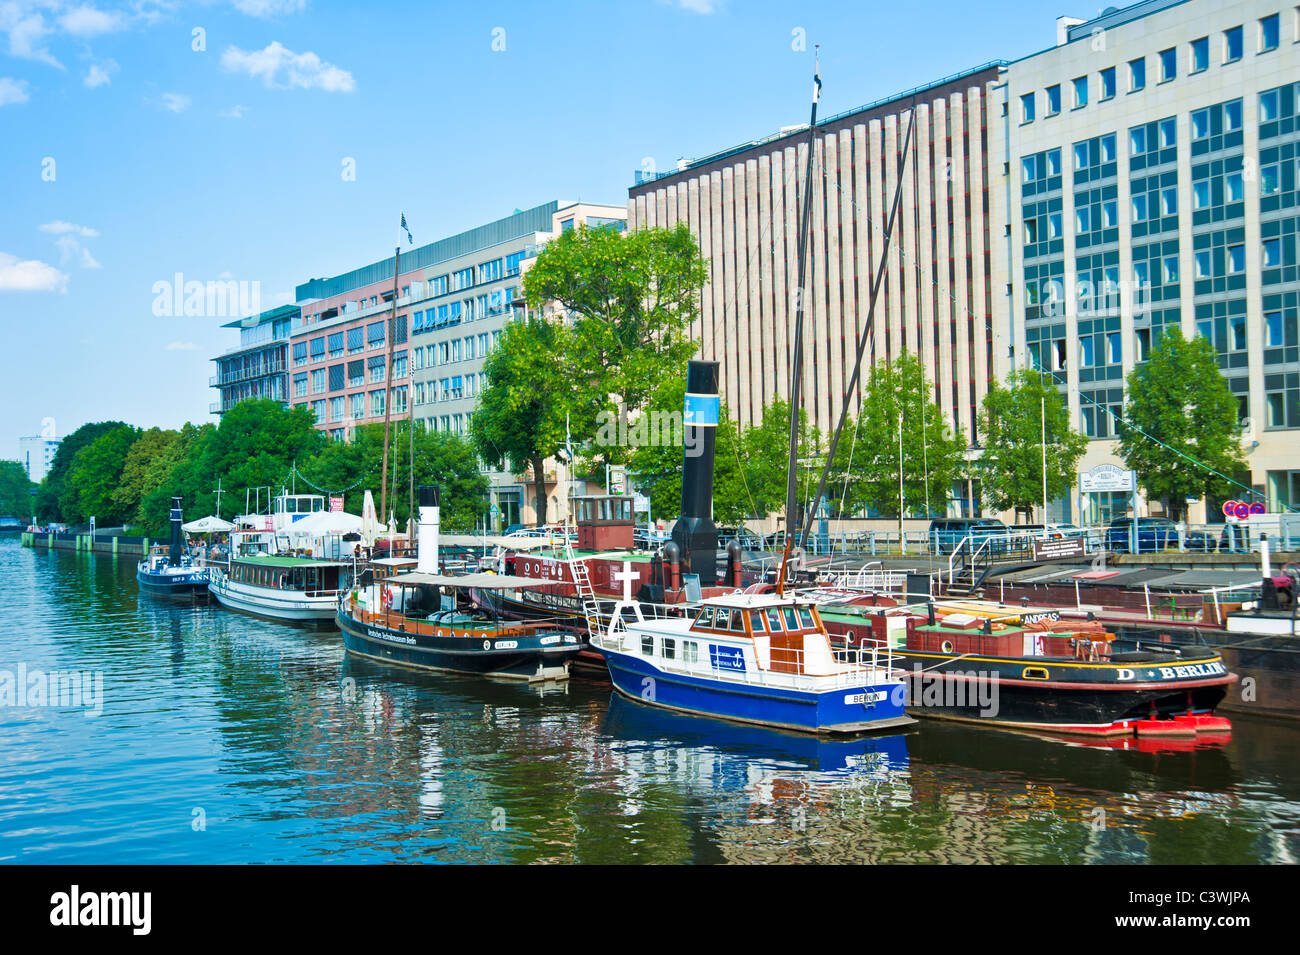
{"x":947,"y":533}
{"x":1154,"y":534}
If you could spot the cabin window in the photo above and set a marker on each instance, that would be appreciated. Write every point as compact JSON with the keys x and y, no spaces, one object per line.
{"x":738,"y":621}
{"x":705,"y":619}
{"x":805,"y":618}
{"x":691,"y":651}
{"x":791,"y":619}
{"x":721,"y":619}
{"x":774,"y":620}
{"x":756,"y":621}
{"x":670,"y":648}
{"x":648,"y":645}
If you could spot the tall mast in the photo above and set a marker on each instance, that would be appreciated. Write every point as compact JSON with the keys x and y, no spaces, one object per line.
{"x":388,"y":377}
{"x":869,"y":327}
{"x":796,"y":355}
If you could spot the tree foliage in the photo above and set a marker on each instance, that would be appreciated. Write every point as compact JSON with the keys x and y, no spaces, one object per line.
{"x":1012,"y":423}
{"x":1180,"y":410}
{"x":15,"y":490}
{"x":933,"y":456}
{"x":48,"y":497}
{"x":520,"y":419}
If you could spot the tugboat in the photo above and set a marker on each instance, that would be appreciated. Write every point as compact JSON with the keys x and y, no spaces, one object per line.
{"x":426,"y":620}
{"x":169,"y":570}
{"x":764,"y":659}
{"x":1032,"y":670}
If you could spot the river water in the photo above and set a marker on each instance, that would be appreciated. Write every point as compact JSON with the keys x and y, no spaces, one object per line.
{"x":221,"y":738}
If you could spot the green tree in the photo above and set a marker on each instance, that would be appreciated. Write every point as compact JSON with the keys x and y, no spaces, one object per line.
{"x":94,"y":477}
{"x":15,"y":490}
{"x":1180,"y":410}
{"x":521,"y":414}
{"x":179,"y":470}
{"x":133,"y":483}
{"x":1012,"y":421}
{"x":933,"y":457}
{"x":52,"y":486}
{"x":441,"y":458}
{"x":631,"y":298}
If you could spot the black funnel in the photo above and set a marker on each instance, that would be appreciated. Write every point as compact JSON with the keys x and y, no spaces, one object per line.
{"x":174,"y":558}
{"x":694,"y":532}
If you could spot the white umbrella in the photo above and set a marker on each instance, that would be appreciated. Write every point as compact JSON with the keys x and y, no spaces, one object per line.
{"x":370,"y":529}
{"x":207,"y":525}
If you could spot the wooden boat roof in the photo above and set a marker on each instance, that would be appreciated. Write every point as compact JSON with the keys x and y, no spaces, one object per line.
{"x":482,"y":581}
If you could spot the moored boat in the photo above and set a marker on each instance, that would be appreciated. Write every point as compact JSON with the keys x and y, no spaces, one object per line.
{"x":167,"y":570}
{"x":753,"y":658}
{"x":426,"y":620}
{"x":282,"y":588}
{"x":1032,"y":670}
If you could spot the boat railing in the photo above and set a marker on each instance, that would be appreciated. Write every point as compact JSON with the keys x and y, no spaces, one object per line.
{"x":786,"y":668}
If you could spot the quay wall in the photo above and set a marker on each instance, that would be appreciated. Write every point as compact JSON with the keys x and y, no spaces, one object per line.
{"x":129,"y":546}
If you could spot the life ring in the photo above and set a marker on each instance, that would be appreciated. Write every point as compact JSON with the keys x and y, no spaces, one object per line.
{"x":386,"y":597}
{"x":487,"y":644}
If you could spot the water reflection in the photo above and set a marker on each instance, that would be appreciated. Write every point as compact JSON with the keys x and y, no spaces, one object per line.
{"x":228,"y":738}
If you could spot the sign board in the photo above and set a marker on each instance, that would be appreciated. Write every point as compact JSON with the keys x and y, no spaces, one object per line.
{"x":336,"y":504}
{"x":1059,"y":549}
{"x":640,"y":503}
{"x":617,"y":479}
{"x":494,"y":510}
{"x":1107,"y":477}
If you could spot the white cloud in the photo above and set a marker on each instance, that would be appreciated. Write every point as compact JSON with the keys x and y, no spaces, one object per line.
{"x":88,"y":21}
{"x":12,"y":91}
{"x":27,"y":31}
{"x":281,"y":68}
{"x":29,"y":276}
{"x":176,"y":102}
{"x":71,"y":251}
{"x":235,"y":112}
{"x":269,"y":8}
{"x":100,"y":74}
{"x":704,"y":7}
{"x":181,"y":346}
{"x":59,"y":227}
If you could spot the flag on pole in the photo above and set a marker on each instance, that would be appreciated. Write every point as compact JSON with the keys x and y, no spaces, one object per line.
{"x":409,"y":240}
{"x":817,"y":80}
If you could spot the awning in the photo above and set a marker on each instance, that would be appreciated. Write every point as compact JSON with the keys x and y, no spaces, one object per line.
{"x":207,"y":525}
{"x":465,"y":581}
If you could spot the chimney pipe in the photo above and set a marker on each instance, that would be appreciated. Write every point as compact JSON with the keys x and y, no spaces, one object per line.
{"x":174,"y":557}
{"x":1265,"y":563}
{"x":426,"y":561}
{"x":694,"y":533}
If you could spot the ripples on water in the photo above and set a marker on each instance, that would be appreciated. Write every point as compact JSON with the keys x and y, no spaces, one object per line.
{"x":224,"y":738}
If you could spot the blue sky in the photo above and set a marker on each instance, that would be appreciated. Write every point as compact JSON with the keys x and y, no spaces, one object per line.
{"x":133,"y":147}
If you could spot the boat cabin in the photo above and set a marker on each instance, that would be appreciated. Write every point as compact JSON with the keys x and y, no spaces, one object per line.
{"x":605,"y":522}
{"x":311,"y":577}
{"x":788,"y":635}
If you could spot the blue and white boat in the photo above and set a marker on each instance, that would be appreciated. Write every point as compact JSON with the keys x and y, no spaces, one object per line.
{"x":753,"y":658}
{"x":169,"y":570}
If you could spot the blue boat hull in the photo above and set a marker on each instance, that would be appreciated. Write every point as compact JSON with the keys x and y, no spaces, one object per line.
{"x":168,"y":584}
{"x":863,"y":708}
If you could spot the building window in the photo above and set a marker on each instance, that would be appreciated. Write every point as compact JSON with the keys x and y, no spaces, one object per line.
{"x":1168,"y":64}
{"x":1232,"y":45}
{"x":1200,"y":54}
{"x":1232,"y":116}
{"x":1080,"y":92}
{"x":1108,"y":83}
{"x":1268,"y":33}
{"x":376,"y":403}
{"x":1108,"y":148}
{"x":1204,"y":267}
{"x":1114,"y":350}
{"x":1200,"y":124}
{"x":1137,"y":74}
{"x":1140,"y":208}
{"x":1236,"y":259}
{"x":1270,"y":179}
{"x":1110,"y":214}
{"x":1275,"y":402}
{"x":1080,"y":156}
{"x":1169,"y":201}
{"x":1171,"y":268}
{"x":1087,"y":354}
{"x":1053,"y":225}
{"x":1273,"y":330}
{"x":1143,"y":350}
{"x":1272,"y":252}
{"x":1083,"y":219}
{"x":1234,"y":187}
{"x":1168,"y":133}
{"x":1200,"y":194}
{"x":1268,"y":108}
{"x":1027,"y":108}
{"x":1137,"y":141}
{"x":359,"y":405}
{"x":1053,"y":99}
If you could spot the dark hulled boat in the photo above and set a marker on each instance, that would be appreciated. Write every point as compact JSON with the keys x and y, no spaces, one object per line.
{"x":168,"y":570}
{"x":1020,"y":670}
